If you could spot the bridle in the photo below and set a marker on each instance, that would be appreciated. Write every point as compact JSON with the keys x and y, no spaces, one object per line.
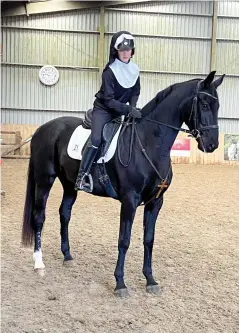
{"x":197,"y":130}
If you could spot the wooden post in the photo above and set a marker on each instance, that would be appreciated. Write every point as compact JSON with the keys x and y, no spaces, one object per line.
{"x":101,"y":53}
{"x":214,"y":36}
{"x":18,"y":143}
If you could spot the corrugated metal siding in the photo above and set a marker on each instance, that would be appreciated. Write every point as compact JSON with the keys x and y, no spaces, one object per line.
{"x":228,"y":28}
{"x":75,"y":90}
{"x":46,"y":47}
{"x":228,"y":97}
{"x":188,"y":7}
{"x":22,"y":88}
{"x":72,"y":20}
{"x":227,"y":60}
{"x":229,"y":126}
{"x":159,"y":24}
{"x":34,"y":117}
{"x":165,"y":54}
{"x":228,"y":8}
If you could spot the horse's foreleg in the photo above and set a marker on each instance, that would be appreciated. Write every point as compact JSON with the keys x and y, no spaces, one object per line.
{"x":127,"y":214}
{"x":151,"y":211}
{"x":68,"y":200}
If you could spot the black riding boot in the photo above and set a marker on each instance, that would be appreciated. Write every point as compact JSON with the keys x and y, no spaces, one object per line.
{"x":88,"y":157}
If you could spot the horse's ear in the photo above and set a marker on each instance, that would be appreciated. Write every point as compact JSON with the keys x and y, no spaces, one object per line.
{"x":218,"y":81}
{"x":209,"y":79}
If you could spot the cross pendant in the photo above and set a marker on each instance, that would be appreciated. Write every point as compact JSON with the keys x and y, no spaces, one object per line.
{"x":161,"y":187}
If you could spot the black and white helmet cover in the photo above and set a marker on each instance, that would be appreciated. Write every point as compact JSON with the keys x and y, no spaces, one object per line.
{"x":121,"y":41}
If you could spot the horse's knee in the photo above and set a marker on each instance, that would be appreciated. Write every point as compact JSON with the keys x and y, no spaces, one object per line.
{"x":124,"y":244}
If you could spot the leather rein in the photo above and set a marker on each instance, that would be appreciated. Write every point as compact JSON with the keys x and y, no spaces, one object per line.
{"x":195,"y":132}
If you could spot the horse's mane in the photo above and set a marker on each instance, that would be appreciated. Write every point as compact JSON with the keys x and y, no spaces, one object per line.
{"x":152,"y":105}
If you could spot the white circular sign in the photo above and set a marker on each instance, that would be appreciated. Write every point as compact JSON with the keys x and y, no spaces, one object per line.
{"x":48,"y":75}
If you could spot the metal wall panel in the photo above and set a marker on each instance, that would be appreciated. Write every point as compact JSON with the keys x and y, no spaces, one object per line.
{"x":228,"y":28}
{"x":46,"y":47}
{"x":227,"y":59}
{"x":229,"y":126}
{"x":34,"y":117}
{"x":76,"y":88}
{"x":166,"y":54}
{"x":228,"y":8}
{"x":187,"y":7}
{"x":22,"y":89}
{"x":72,"y":20}
{"x":228,"y":97}
{"x":227,"y":62}
{"x":146,"y":23}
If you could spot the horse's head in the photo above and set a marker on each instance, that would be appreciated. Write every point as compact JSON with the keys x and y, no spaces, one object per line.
{"x":201,"y":116}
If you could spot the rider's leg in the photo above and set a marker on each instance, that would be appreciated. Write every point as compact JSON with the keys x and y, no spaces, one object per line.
{"x":99,"y":118}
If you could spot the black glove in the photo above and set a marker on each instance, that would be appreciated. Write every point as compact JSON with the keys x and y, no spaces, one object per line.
{"x":135,"y":113}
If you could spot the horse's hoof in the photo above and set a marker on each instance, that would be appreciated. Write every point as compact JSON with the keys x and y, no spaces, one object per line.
{"x":68,"y":262}
{"x":40,"y":271}
{"x":68,"y":257}
{"x":153,"y":289}
{"x":121,"y":292}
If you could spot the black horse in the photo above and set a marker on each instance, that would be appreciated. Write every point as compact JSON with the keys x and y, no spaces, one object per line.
{"x":143,"y":181}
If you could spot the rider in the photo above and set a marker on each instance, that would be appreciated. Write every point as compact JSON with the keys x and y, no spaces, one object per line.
{"x":120,"y":85}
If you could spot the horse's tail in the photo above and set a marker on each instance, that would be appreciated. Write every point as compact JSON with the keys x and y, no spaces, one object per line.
{"x":27,"y":228}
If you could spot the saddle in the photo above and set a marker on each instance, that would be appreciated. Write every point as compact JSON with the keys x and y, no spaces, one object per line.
{"x":109,"y":131}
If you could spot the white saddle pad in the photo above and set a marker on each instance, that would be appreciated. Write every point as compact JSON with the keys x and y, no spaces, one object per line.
{"x":78,"y":140}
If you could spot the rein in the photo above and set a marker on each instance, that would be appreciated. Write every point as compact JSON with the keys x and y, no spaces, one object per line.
{"x":195,"y":132}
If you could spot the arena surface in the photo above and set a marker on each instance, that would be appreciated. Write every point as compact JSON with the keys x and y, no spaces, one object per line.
{"x":195,"y":259}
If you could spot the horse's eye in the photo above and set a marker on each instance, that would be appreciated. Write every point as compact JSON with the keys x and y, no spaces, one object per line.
{"x":205,"y":106}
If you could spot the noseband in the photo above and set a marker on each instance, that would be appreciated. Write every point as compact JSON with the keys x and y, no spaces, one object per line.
{"x":197,"y":130}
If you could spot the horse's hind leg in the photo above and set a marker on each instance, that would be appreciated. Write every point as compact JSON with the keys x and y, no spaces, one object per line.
{"x":41,"y":196}
{"x":68,"y":200}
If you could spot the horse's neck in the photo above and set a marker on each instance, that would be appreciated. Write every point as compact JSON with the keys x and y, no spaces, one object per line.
{"x":159,"y":136}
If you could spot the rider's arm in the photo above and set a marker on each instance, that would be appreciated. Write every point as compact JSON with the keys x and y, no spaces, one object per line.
{"x":109,"y":95}
{"x":135,"y":93}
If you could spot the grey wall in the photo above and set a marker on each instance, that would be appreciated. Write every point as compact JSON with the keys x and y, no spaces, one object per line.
{"x":173,"y":41}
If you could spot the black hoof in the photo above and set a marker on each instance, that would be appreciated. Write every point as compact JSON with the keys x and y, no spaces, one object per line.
{"x":121,"y":292}
{"x":67,"y":260}
{"x":153,"y":289}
